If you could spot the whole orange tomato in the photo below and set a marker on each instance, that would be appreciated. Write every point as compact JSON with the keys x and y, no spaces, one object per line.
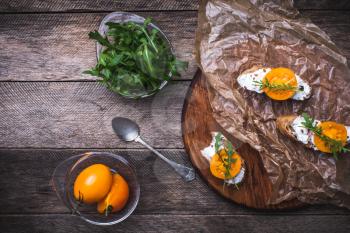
{"x":93,"y":184}
{"x":117,"y":197}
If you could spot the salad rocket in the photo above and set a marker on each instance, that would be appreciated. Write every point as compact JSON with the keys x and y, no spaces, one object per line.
{"x":136,"y":59}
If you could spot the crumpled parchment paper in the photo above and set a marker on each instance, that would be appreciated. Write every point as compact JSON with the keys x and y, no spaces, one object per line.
{"x":233,"y":36}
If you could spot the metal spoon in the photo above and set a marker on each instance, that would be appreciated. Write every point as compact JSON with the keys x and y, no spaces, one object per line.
{"x":128,"y":130}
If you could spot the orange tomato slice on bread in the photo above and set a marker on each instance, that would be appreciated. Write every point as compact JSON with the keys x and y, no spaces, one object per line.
{"x":218,"y":169}
{"x":332,"y":130}
{"x":280,"y":76}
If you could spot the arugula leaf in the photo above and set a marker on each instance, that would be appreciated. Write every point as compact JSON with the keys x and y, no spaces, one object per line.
{"x":102,"y":40}
{"x":217,"y":142}
{"x":274,"y":87}
{"x":92,"y":72}
{"x":228,"y":150}
{"x":230,"y":160}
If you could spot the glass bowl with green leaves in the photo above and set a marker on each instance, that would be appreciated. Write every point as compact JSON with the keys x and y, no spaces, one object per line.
{"x":134,"y":57}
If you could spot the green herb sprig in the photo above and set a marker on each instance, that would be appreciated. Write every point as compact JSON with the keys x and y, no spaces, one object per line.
{"x":275,"y":87}
{"x":335,"y":146}
{"x":135,"y":59}
{"x":228,"y":147}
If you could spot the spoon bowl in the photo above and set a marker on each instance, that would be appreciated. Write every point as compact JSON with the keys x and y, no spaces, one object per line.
{"x":125,"y":128}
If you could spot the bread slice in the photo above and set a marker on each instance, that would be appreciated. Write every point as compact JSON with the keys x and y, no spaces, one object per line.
{"x":255,"y":68}
{"x":248,"y":78}
{"x":284,"y":124}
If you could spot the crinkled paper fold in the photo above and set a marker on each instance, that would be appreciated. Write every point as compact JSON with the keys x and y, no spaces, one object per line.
{"x":233,"y":36}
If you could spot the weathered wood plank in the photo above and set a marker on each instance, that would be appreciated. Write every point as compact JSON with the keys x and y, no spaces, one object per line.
{"x":322,"y":4}
{"x":95,"y":5}
{"x":56,"y":46}
{"x":180,"y":223}
{"x":79,"y":114}
{"x":25,"y":187}
{"x":336,"y":24}
{"x":136,"y":5}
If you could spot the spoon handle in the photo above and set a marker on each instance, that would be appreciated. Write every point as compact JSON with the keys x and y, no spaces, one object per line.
{"x":186,"y":173}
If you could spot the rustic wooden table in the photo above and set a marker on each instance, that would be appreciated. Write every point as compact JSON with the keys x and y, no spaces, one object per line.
{"x":50,"y":111}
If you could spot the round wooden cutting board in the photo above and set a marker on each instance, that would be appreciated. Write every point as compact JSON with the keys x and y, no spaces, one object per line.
{"x":197,"y":125}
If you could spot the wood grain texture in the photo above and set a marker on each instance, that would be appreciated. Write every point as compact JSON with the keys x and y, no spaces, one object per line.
{"x":322,"y":4}
{"x":180,"y":223}
{"x":139,"y":5}
{"x":336,"y":24}
{"x":26,"y":174}
{"x":54,"y":47}
{"x":96,"y":5}
{"x":79,"y":114}
{"x":197,"y":125}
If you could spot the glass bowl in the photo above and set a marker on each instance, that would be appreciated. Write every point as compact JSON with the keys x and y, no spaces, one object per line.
{"x":123,"y":17}
{"x":67,"y":171}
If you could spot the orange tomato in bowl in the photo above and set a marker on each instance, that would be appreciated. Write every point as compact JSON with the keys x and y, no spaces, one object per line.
{"x":117,"y":197}
{"x":93,"y":184}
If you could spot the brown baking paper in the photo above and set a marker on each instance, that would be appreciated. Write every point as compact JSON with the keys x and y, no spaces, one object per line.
{"x":233,"y":36}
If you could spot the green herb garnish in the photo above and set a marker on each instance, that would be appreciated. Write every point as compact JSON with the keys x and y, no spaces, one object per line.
{"x":217,"y":142}
{"x":335,"y":146}
{"x":230,"y":160}
{"x":275,"y":87}
{"x":135,"y":59}
{"x":229,"y":150}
